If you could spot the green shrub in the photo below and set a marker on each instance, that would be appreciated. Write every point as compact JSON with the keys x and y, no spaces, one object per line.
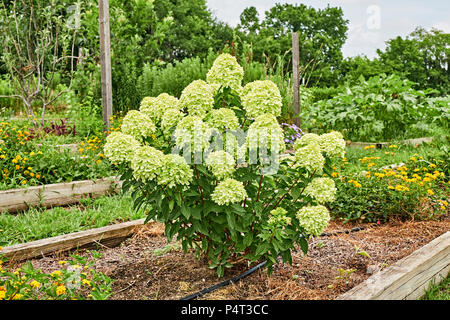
{"x":233,"y":205}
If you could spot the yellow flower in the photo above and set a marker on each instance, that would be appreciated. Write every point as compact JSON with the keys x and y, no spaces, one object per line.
{"x":17,"y":167}
{"x":430,"y":192}
{"x":81,"y":150}
{"x":32,"y":153}
{"x":86,"y":282}
{"x":335,"y":174}
{"x":38,"y":176}
{"x":413,"y":159}
{"x":56,"y":273}
{"x":400,"y":187}
{"x":393,"y":146}
{"x":17,"y":296}
{"x":62,"y":262}
{"x":24,"y":182}
{"x":60,"y":290}
{"x":35,"y":284}
{"x":432,"y":166}
{"x":2,"y":295}
{"x":391,"y":187}
{"x":370,"y":165}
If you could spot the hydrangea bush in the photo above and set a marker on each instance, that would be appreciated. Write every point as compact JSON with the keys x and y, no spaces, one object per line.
{"x":211,"y":166}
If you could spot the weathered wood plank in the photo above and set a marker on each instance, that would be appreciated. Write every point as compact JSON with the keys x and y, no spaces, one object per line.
{"x":379,"y":145}
{"x":409,"y":277}
{"x":55,"y":194}
{"x":109,"y":235}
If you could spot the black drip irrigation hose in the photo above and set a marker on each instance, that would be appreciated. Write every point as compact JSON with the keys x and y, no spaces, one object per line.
{"x":259,"y":266}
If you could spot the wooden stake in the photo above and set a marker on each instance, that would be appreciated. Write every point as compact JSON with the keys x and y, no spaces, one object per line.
{"x":105,"y":58}
{"x":296,"y":82}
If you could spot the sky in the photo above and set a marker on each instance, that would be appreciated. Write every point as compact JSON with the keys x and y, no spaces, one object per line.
{"x":371,"y":22}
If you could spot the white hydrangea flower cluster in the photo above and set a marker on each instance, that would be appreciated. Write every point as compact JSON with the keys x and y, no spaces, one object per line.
{"x":260,"y":97}
{"x":191,"y":130}
{"x":305,"y":140}
{"x":221,"y":164}
{"x":170,"y":120}
{"x":222,"y":119}
{"x":174,"y":171}
{"x":265,"y":131}
{"x":138,"y":125}
{"x":119,"y":147}
{"x":197,"y":98}
{"x":155,"y":108}
{"x":225,"y":72}
{"x":322,"y":189}
{"x":278,"y":218}
{"x":146,"y":163}
{"x":229,"y":191}
{"x":333,"y":144}
{"x":310,"y":157}
{"x":314,"y":219}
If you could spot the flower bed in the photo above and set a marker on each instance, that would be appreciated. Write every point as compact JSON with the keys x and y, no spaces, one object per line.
{"x":145,"y":267}
{"x":26,"y":162}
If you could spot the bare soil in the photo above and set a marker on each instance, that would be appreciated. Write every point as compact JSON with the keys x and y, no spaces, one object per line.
{"x":139,"y":274}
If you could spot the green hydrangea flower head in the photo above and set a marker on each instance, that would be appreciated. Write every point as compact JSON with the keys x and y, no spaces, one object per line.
{"x":192,"y":130}
{"x":197,"y":98}
{"x":174,"y":171}
{"x":222,"y":119}
{"x":119,"y":147}
{"x":229,"y":191}
{"x":155,"y":108}
{"x":221,"y":164}
{"x":310,"y":157}
{"x":265,"y":131}
{"x":333,"y":144}
{"x":146,"y":163}
{"x":225,"y":72}
{"x":138,"y":125}
{"x":170,"y":120}
{"x":314,"y":219}
{"x":261,"y":97}
{"x":147,"y":108}
{"x":278,"y":219}
{"x":322,"y":189}
{"x":305,"y":140}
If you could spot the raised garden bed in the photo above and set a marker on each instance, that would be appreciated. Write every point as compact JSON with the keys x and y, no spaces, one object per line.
{"x":143,"y":267}
{"x":379,"y":145}
{"x":57,"y":194}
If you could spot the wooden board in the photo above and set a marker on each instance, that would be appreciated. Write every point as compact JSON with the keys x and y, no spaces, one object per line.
{"x":380,"y":145}
{"x":57,"y":194}
{"x":108,"y":236}
{"x":408,"y":278}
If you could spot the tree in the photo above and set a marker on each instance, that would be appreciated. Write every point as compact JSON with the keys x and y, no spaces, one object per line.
{"x":422,"y":57}
{"x":194,"y":30}
{"x":38,"y":50}
{"x":322,"y":33}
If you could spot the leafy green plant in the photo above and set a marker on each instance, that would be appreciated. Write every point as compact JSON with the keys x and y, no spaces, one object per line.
{"x":379,"y":109}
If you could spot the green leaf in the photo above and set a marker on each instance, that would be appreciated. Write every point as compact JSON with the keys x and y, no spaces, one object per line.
{"x":185,"y":211}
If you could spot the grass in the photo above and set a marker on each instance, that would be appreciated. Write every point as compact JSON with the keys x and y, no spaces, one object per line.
{"x":37,"y":223}
{"x":439,"y":291}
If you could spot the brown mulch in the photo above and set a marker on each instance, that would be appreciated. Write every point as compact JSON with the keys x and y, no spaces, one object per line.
{"x":139,"y":274}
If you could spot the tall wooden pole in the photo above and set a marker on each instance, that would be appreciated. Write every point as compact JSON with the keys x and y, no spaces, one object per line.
{"x":296,"y":80}
{"x":105,"y":58}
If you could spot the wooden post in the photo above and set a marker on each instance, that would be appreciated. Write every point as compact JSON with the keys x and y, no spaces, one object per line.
{"x":105,"y":58}
{"x":296,"y":81}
